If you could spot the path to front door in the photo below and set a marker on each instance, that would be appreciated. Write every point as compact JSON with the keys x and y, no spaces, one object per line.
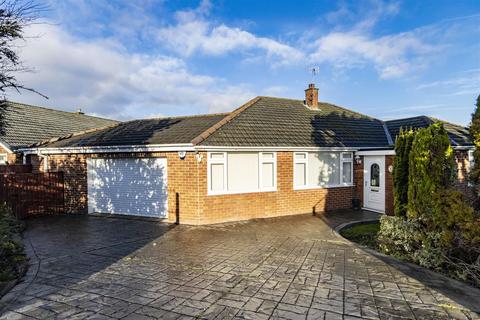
{"x":374,"y":183}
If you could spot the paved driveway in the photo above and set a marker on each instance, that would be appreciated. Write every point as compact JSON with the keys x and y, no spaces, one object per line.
{"x":293,"y":268}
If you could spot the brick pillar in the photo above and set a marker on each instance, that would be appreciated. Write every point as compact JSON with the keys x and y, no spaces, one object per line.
{"x":388,"y":185}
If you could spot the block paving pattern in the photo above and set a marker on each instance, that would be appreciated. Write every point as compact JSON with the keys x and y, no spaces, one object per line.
{"x":282,"y":268}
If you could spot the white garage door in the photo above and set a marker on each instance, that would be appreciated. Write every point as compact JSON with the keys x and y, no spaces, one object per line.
{"x":131,"y":186}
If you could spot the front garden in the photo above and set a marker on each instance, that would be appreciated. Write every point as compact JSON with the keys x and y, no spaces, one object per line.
{"x":435,"y":225}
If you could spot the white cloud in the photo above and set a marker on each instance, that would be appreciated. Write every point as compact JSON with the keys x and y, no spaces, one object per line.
{"x":103,"y":78}
{"x":193,"y":33}
{"x":392,"y":56}
{"x":466,"y":83}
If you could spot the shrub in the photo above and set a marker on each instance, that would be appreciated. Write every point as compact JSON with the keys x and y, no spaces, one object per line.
{"x":12,"y":253}
{"x":397,"y":237}
{"x":431,"y":168}
{"x":440,"y":231}
{"x":403,"y":146}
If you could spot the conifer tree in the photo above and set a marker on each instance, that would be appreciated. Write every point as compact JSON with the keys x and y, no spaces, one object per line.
{"x":475,"y":134}
{"x":403,"y":146}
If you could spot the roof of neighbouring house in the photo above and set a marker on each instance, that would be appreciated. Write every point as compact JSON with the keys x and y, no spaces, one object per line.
{"x":458,"y":135}
{"x":23,"y":124}
{"x":261,"y":122}
{"x":174,"y":130}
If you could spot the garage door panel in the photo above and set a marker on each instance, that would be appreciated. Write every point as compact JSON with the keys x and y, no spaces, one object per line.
{"x":133,"y":186}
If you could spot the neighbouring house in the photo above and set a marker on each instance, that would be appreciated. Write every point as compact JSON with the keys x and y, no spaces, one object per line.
{"x":270,"y":157}
{"x":22,"y":125}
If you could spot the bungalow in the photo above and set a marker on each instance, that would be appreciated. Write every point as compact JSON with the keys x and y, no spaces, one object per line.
{"x":22,"y":125}
{"x":270,"y":157}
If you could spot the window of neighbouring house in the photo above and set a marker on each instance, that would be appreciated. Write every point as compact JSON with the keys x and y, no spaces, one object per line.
{"x":322,"y":169}
{"x":239,"y":172}
{"x":471,"y":159}
{"x":3,"y":158}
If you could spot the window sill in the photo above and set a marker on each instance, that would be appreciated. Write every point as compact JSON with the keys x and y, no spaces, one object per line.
{"x":324,"y":187}
{"x":224,"y":193}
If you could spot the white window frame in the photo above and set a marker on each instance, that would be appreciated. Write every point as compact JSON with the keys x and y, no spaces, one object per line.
{"x":325,"y":186}
{"x":6,"y":158}
{"x":471,"y":159}
{"x":261,"y":161}
{"x":471,"y":163}
{"x":211,"y":161}
{"x":305,"y":161}
{"x":342,"y":161}
{"x":224,"y":161}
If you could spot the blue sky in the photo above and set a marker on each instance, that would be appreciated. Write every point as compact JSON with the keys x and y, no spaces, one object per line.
{"x":137,"y":59}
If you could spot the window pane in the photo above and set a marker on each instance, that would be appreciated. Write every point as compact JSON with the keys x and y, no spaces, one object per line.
{"x":216,"y":156}
{"x":3,"y":158}
{"x":300,"y":156}
{"x":346,"y":156}
{"x":267,"y":155}
{"x":267,"y":175}
{"x":300,"y":173}
{"x":242,"y":171}
{"x":375,"y":175}
{"x":323,"y":168}
{"x":217,"y":177}
{"x":347,"y":172}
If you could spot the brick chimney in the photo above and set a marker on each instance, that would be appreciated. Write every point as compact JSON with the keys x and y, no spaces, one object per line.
{"x":311,"y":97}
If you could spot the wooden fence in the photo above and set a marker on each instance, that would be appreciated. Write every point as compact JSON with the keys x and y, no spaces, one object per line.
{"x":15,"y":168}
{"x":30,"y":194}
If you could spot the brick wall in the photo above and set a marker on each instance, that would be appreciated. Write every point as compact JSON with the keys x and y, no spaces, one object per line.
{"x":285,"y":201}
{"x":187,"y":190}
{"x":388,"y":186}
{"x":463,"y":167}
{"x":358,"y":180}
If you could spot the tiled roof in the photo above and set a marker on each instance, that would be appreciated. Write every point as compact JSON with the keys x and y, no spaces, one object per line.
{"x":458,"y":135}
{"x":277,"y":122}
{"x":173,"y":130}
{"x":261,"y":122}
{"x":24,"y":125}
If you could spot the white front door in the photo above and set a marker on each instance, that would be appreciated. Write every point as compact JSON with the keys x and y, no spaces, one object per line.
{"x":131,"y":186}
{"x":374,"y":183}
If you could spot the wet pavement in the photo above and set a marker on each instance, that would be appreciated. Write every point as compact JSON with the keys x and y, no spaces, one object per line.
{"x":295,"y":267}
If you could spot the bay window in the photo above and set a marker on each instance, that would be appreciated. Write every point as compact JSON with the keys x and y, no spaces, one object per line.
{"x":240,"y":172}
{"x":322,"y":169}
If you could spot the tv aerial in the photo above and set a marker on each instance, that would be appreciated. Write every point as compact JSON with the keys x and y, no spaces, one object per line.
{"x":314,"y":71}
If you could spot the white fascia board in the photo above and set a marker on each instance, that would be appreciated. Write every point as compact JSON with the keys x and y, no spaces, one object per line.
{"x":5,"y":146}
{"x":111,"y":149}
{"x":463,"y":147}
{"x":229,"y":148}
{"x":388,"y":152}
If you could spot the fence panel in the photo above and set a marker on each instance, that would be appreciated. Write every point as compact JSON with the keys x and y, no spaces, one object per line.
{"x":30,"y":194}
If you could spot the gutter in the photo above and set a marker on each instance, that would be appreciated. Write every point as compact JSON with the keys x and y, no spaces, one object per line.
{"x":110,"y":149}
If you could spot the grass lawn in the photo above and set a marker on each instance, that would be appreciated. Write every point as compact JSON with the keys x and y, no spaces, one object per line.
{"x":12,"y":255}
{"x":364,"y":234}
